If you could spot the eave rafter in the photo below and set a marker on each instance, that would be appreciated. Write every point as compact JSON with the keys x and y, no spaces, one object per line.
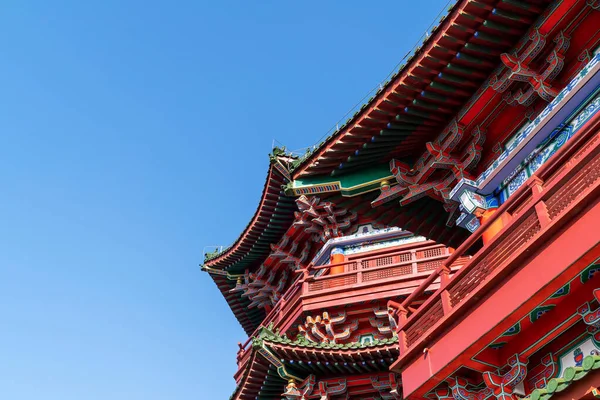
{"x":446,"y":71}
{"x":271,"y":219}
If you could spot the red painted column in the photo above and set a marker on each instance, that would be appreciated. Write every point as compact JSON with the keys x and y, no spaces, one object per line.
{"x":495,"y":227}
{"x":337,"y":256}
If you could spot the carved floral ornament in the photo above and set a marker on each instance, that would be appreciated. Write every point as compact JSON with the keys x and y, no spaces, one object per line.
{"x":322,"y":218}
{"x":384,"y":321}
{"x":591,"y":317}
{"x":506,"y":383}
{"x":521,"y":82}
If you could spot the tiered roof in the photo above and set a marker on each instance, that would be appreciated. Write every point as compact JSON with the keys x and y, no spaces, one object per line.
{"x":273,"y":216}
{"x":447,"y":81}
{"x":271,"y":220}
{"x":276,"y":358}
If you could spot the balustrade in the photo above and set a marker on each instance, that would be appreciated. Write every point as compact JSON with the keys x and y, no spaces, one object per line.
{"x":413,"y":261}
{"x":385,"y":266}
{"x":565,"y":185}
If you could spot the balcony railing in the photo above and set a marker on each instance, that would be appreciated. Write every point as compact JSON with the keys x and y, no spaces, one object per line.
{"x":384,"y":266}
{"x":413,"y":261}
{"x":560,"y":189}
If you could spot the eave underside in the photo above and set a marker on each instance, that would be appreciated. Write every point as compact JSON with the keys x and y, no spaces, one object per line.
{"x":271,"y":220}
{"x":418,"y":103}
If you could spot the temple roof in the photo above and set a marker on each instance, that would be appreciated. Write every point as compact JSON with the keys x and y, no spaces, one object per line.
{"x":300,"y":354}
{"x":260,"y":380}
{"x":276,"y":341}
{"x":441,"y":83}
{"x":275,"y":357}
{"x":426,"y":217}
{"x":415,"y":105}
{"x":443,"y":76}
{"x":273,"y":216}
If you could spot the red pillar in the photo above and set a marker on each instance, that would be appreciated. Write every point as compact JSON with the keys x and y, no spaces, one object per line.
{"x":495,"y":227}
{"x":337,"y":256}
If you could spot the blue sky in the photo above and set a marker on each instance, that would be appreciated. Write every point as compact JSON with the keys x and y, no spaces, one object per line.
{"x":133,"y":134}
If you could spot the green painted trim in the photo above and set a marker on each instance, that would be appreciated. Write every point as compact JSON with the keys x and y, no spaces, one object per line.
{"x":218,"y":272}
{"x":563,"y":291}
{"x":258,"y":343}
{"x":514,"y":330}
{"x":587,"y":273}
{"x":267,"y":335}
{"x":351,"y":184}
{"x":571,"y":374}
{"x":533,"y":315}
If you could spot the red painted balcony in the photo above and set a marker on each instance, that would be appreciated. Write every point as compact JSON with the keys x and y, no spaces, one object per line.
{"x":376,"y":275}
{"x":381,"y":266}
{"x":563,"y":192}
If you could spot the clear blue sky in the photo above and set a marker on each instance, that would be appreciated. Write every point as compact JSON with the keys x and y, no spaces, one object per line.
{"x":134,"y":133}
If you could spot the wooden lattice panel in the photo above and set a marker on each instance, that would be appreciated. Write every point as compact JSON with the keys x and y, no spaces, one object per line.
{"x":404,"y":257}
{"x":332,"y":282}
{"x":433,"y":314}
{"x":429,"y":265}
{"x":501,"y":252}
{"x":387,"y":273}
{"x":567,"y":193}
{"x":438,"y":251}
{"x":377,"y":262}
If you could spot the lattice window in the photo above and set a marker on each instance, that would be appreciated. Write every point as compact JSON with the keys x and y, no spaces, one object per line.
{"x":353,"y":266}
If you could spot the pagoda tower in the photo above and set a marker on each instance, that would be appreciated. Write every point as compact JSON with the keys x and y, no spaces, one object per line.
{"x":443,"y":243}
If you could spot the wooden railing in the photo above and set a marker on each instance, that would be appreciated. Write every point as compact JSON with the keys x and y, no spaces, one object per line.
{"x":383,"y":266}
{"x":560,"y":189}
{"x":409,"y":261}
